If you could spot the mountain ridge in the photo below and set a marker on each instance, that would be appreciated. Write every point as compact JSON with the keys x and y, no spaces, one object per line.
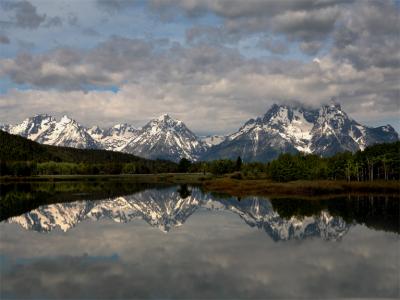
{"x":166,"y":138}
{"x":292,"y":129}
{"x":283,"y":128}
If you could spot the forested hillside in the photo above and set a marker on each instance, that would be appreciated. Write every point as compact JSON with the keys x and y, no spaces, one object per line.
{"x":378,"y":162}
{"x":20,"y":156}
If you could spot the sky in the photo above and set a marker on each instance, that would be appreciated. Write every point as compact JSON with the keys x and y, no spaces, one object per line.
{"x":213,"y":64}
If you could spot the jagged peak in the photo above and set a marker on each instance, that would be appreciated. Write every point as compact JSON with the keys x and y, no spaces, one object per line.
{"x":66,"y":119}
{"x":120,"y":125}
{"x":42,"y":116}
{"x":123,"y":126}
{"x":387,"y":128}
{"x":96,"y":130}
{"x":95,"y":127}
{"x":333,"y":105}
{"x":38,"y":118}
{"x":166,"y":119}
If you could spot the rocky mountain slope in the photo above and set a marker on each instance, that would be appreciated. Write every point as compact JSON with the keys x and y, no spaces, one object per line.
{"x":213,"y":140}
{"x":114,"y":138}
{"x":45,"y":129}
{"x":324,"y":131}
{"x":166,"y":138}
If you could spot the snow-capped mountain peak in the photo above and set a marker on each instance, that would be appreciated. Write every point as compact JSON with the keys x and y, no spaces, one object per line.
{"x":165,"y":117}
{"x":66,"y":120}
{"x":212,"y":140}
{"x":95,"y":130}
{"x":284,"y":128}
{"x":33,"y":126}
{"x":165,"y":121}
{"x":45,"y":129}
{"x":166,"y":138}
{"x":113,"y":138}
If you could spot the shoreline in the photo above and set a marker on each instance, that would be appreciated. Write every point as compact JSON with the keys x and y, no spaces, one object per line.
{"x":301,"y":188}
{"x":230,"y":186}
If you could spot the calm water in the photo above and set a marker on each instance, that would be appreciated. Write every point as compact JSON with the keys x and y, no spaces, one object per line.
{"x":123,"y":240}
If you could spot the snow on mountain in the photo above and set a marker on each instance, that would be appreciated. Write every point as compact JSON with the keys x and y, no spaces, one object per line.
{"x":292,"y":129}
{"x":166,"y":138}
{"x":32,"y":127}
{"x":163,"y":137}
{"x":212,"y":140}
{"x":114,"y":138}
{"x":46,"y":130}
{"x":166,"y":209}
{"x":283,"y":128}
{"x":67,"y":133}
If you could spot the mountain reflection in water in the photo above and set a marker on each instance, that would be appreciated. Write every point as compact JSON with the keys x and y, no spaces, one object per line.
{"x":167,"y":208}
{"x":215,"y":248}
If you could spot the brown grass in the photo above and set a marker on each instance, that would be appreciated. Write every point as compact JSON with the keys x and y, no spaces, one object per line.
{"x":307,"y":188}
{"x":239,"y":187}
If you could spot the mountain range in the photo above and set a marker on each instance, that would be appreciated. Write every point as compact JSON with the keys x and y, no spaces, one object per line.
{"x":166,"y":209}
{"x":283,"y":128}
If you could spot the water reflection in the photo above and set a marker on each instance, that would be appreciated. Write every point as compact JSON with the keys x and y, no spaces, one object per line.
{"x":167,"y":208}
{"x":212,"y":250}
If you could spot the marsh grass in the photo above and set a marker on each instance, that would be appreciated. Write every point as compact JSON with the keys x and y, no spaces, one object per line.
{"x":264,"y":187}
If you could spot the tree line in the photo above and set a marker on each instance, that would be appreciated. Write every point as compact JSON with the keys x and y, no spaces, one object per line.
{"x":22,"y":157}
{"x":377,"y":162}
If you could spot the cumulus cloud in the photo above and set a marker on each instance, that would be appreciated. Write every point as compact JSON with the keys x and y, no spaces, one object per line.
{"x":309,"y":21}
{"x":195,"y":260}
{"x":206,"y":79}
{"x":363,"y":31}
{"x":275,"y":46}
{"x":368,"y":35}
{"x":53,"y":22}
{"x":25,"y":14}
{"x":213,"y":89}
{"x":310,"y":48}
{"x":114,"y":6}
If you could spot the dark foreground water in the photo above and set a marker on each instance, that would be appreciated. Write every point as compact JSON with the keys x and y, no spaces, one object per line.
{"x":137,"y":241}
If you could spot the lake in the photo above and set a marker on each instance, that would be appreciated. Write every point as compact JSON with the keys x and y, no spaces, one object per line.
{"x":122,"y":240}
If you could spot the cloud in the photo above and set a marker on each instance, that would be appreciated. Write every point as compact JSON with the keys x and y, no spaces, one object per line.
{"x":72,"y":20}
{"x":115,"y":6}
{"x":355,"y":53}
{"x":4,"y":39}
{"x":211,"y":88}
{"x":310,"y":48}
{"x":368,"y":35}
{"x":365,"y":32}
{"x":25,"y":14}
{"x":53,"y":22}
{"x":194,"y":261}
{"x":309,"y":21}
{"x":90,"y":32}
{"x":275,"y":46}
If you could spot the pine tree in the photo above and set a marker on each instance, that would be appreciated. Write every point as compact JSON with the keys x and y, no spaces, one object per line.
{"x":238,"y":163}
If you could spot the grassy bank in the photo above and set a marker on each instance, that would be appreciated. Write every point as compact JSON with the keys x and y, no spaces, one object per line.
{"x":234,"y":187}
{"x":177,"y":178}
{"x":265,"y":187}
